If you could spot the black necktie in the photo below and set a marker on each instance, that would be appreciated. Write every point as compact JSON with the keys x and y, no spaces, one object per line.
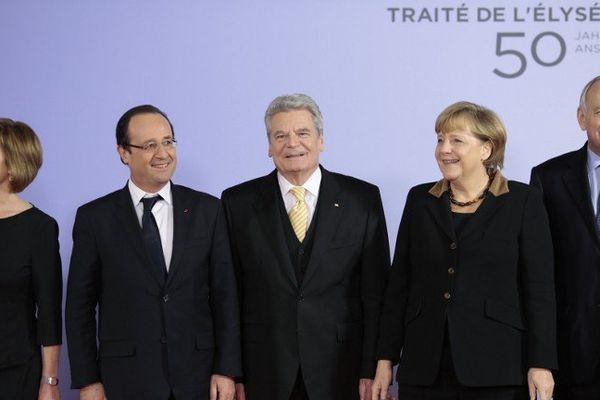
{"x":151,"y":234}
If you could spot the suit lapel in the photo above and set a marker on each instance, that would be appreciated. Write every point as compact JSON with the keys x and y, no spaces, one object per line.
{"x":181,"y":223}
{"x":127,"y":220}
{"x":577,"y":184}
{"x":439,"y":209}
{"x":330,"y":210}
{"x":269,"y":216}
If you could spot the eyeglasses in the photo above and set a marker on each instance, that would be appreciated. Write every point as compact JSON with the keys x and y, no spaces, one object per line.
{"x":152,"y":147}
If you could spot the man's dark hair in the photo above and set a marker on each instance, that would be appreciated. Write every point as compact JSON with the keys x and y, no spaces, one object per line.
{"x":123,"y":124}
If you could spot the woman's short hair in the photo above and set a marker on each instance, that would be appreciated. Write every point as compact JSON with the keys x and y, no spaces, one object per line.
{"x":482,"y":122}
{"x":22,"y":153}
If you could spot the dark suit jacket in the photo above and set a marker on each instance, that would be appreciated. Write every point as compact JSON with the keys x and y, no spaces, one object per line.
{"x":564,"y":183}
{"x":492,"y":286}
{"x":326,"y":325}
{"x":154,"y":335}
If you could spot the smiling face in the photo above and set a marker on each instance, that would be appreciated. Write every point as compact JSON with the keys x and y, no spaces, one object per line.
{"x":589,"y":119}
{"x":150,"y":171}
{"x":460,"y":155}
{"x":295,"y":145}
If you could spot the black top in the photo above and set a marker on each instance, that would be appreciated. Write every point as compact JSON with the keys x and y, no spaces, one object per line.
{"x":459,"y":220}
{"x":30,"y":285}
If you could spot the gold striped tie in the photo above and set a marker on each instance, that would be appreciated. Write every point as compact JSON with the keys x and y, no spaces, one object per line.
{"x":299,"y":213}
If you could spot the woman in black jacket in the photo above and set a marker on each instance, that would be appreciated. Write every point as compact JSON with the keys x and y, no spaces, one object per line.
{"x":469,"y":308}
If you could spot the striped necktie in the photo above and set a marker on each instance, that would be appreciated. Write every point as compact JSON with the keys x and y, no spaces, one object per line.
{"x":299,"y":213}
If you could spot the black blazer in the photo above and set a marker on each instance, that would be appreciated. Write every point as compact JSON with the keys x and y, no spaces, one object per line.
{"x":564,"y":183}
{"x":492,"y":286}
{"x":30,"y":287}
{"x":154,"y":335}
{"x":326,"y":325}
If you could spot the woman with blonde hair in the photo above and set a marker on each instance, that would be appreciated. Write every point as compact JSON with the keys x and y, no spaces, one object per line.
{"x":469,"y":307}
{"x":30,"y":275}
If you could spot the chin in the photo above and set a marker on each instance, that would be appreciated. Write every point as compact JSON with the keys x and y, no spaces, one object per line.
{"x":450,"y":177}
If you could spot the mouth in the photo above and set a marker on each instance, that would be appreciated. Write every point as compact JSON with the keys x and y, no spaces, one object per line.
{"x":449,"y":162}
{"x":160,"y":165}
{"x":292,"y":156}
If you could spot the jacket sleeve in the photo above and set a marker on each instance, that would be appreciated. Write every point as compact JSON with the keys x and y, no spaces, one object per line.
{"x":536,"y":265}
{"x":83,"y":290}
{"x":224,"y":303}
{"x":391,"y":331}
{"x":47,"y":283}
{"x":374,"y":271}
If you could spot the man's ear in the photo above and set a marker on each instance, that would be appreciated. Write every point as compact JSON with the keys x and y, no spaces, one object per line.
{"x":123,"y":154}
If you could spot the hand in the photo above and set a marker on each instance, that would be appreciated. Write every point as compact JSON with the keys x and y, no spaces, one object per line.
{"x":221,"y":387}
{"x":364,"y":389}
{"x":95,"y":391}
{"x":240,"y":392}
{"x":48,"y":392}
{"x":382,"y":381}
{"x":540,"y":380}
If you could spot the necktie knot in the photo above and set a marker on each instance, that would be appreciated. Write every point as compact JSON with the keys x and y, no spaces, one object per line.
{"x":149,"y":202}
{"x":298,"y":192}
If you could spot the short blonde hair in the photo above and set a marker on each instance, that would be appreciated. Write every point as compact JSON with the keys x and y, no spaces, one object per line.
{"x":483,"y":123}
{"x":22,"y":153}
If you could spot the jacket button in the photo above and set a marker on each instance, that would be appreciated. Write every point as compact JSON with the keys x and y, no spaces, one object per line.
{"x":453,"y":246}
{"x":165,"y":298}
{"x":451,"y":271}
{"x":301,"y":251}
{"x":163,"y":340}
{"x":447,"y":296}
{"x":300,"y":297}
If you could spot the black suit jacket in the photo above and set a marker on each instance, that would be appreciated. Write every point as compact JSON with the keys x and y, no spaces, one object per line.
{"x":154,"y":336}
{"x":564,"y":183}
{"x":326,"y":325}
{"x":492,"y":286}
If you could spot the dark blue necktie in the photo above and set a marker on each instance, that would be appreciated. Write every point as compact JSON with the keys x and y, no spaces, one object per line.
{"x":151,"y":234}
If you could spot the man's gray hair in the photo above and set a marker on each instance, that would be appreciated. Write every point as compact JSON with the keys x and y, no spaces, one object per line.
{"x":582,"y":98}
{"x":296,"y":101}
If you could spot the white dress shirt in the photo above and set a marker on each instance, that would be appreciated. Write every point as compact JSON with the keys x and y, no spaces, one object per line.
{"x":311,"y":194}
{"x":163,"y":214}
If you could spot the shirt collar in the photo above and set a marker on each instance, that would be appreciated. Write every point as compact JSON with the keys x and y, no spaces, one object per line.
{"x":593,"y":160}
{"x":312,"y":185}
{"x":137,"y":194}
{"x":499,"y":186}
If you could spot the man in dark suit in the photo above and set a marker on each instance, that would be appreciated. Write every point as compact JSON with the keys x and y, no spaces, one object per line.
{"x":155,"y":258}
{"x":571,"y":186}
{"x":311,"y":255}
